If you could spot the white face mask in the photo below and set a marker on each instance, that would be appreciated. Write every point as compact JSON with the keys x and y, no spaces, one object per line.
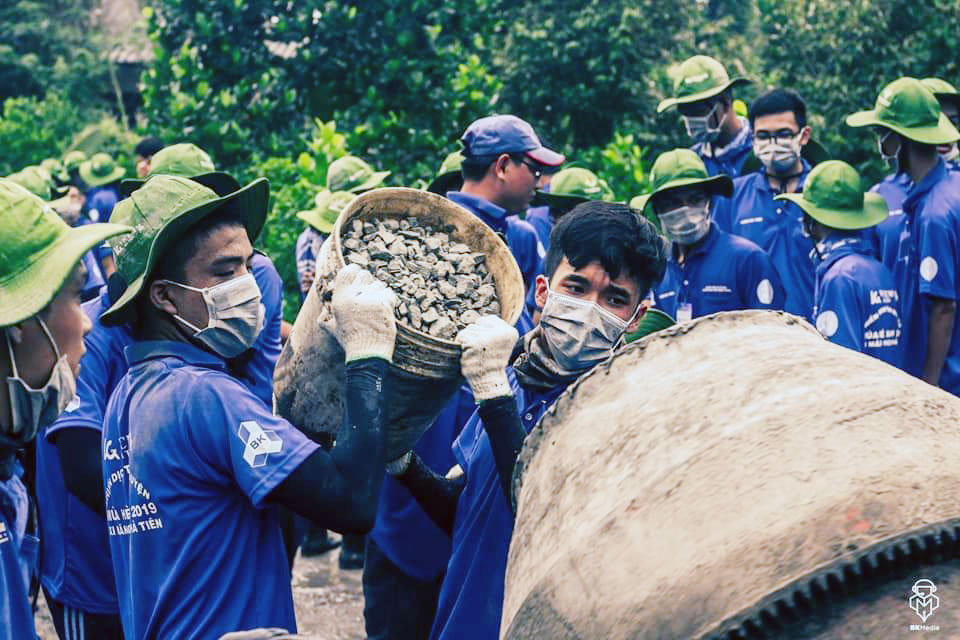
{"x":236,"y":315}
{"x":892,"y":160}
{"x":33,"y":409}
{"x":778,"y":159}
{"x":579,"y":334}
{"x":686,"y":225}
{"x":699,"y":129}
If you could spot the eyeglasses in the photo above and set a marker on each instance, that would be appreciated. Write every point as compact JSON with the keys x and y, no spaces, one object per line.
{"x":783,"y":136}
{"x":535,"y":169}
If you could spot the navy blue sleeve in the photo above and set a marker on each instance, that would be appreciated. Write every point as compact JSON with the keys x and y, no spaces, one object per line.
{"x":839,"y":316}
{"x":258,"y":373}
{"x":760,"y":284}
{"x":938,"y":255}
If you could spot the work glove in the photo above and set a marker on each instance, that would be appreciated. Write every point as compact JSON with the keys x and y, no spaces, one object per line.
{"x":363,"y":308}
{"x":487,"y":345}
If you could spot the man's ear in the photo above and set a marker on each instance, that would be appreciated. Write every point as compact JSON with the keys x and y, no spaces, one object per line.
{"x":160,"y":297}
{"x":500,"y":166}
{"x":805,"y":134}
{"x":644,"y":305}
{"x":540,"y":295}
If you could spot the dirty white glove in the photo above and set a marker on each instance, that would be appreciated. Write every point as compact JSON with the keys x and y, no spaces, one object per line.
{"x":487,"y":345}
{"x":363,"y":307}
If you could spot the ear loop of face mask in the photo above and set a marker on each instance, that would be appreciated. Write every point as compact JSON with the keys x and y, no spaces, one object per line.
{"x":707,"y":129}
{"x":13,"y":360}
{"x":893,"y":161}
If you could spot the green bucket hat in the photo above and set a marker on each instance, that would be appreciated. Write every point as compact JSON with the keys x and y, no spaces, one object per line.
{"x":100,"y":170}
{"x":73,"y":160}
{"x":160,"y":212}
{"x":328,"y":207}
{"x":572,"y":186}
{"x":699,"y":78}
{"x":186,"y":160}
{"x":38,"y":251}
{"x":942,"y":89}
{"x":833,"y":197}
{"x":56,"y":170}
{"x":350,"y":173}
{"x":907,"y":107}
{"x":681,"y":168}
{"x":37,"y":181}
{"x":651,"y":321}
{"x":448,"y":177}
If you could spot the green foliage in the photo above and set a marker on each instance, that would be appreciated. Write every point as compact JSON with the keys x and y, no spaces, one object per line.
{"x":622,"y":163}
{"x":840,"y":55}
{"x":25,"y":140}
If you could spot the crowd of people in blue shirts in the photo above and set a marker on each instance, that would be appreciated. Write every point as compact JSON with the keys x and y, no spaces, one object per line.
{"x":169,"y":499}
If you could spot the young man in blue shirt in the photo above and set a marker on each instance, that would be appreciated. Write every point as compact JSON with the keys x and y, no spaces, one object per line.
{"x":909,"y":126}
{"x":602,"y":260}
{"x":41,"y":279}
{"x":703,"y":93}
{"x":76,"y":573}
{"x":779,"y":122}
{"x":503,"y":161}
{"x":856,"y":304}
{"x":708,"y":270}
{"x":320,"y":221}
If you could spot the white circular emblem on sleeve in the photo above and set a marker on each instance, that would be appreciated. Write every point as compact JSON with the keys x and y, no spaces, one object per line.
{"x":827,"y":323}
{"x":929,"y":268}
{"x":765,"y":292}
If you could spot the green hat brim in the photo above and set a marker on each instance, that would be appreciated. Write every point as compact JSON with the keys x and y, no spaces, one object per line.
{"x":29,"y":291}
{"x":98,"y":181}
{"x":221,"y":183}
{"x":557,"y":200}
{"x":315,"y":219}
{"x":445,"y":182}
{"x":874,"y":212}
{"x":250,"y":204}
{"x":942,"y":133}
{"x":653,"y":320}
{"x":702,"y":95}
{"x":716,"y":185}
{"x":373,"y":181}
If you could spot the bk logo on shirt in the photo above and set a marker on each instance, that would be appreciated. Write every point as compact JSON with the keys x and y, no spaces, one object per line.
{"x":259,"y":443}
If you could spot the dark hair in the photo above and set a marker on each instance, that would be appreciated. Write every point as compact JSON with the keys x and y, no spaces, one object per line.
{"x":171,"y":264}
{"x":779,"y":101}
{"x":474,"y":168}
{"x":148,"y":146}
{"x":612,"y":234}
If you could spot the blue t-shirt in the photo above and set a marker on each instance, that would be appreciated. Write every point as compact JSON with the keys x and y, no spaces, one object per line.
{"x":776,"y":226}
{"x":926,"y":266}
{"x":885,"y":237}
{"x":730,"y":159}
{"x":76,"y":568}
{"x":471,"y":598}
{"x":307,"y":257}
{"x":856,"y":301}
{"x":100,"y":201}
{"x":18,"y":557}
{"x":539,"y":218}
{"x":723,"y":272}
{"x":189,"y":457}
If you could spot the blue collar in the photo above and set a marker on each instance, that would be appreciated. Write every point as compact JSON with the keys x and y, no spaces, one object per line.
{"x":837,"y":245}
{"x":703,"y":246}
{"x":924,"y":186}
{"x":765,"y":183}
{"x":493,"y":215}
{"x":153,"y":349}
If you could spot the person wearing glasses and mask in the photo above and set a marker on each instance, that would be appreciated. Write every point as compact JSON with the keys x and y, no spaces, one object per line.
{"x":192,"y":458}
{"x":780,"y":132}
{"x":603,"y":258}
{"x":708,"y":270}
{"x":922,"y":246}
{"x":41,"y":281}
{"x":703,"y":94}
{"x":503,"y":161}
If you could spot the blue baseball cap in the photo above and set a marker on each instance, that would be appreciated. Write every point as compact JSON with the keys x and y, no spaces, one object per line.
{"x":494,"y":135}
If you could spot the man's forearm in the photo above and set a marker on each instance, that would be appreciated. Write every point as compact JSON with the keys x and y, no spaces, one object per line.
{"x":940,"y":331}
{"x":437,"y":495}
{"x":501,"y":421}
{"x":80,"y":462}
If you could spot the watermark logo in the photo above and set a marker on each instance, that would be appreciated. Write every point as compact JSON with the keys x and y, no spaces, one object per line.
{"x":923,"y":601}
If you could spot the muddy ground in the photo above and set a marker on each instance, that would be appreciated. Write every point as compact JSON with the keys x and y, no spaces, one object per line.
{"x":329,"y":601}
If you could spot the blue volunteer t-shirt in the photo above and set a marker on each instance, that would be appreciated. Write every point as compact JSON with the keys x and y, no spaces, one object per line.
{"x":471,"y":598}
{"x":539,"y":218}
{"x":100,"y":201}
{"x":18,"y":558}
{"x":723,"y":272}
{"x":856,"y":301}
{"x":776,"y":226}
{"x":189,"y":457}
{"x":884,"y":238}
{"x":75,"y":567}
{"x":927,"y":267}
{"x":727,"y":160}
